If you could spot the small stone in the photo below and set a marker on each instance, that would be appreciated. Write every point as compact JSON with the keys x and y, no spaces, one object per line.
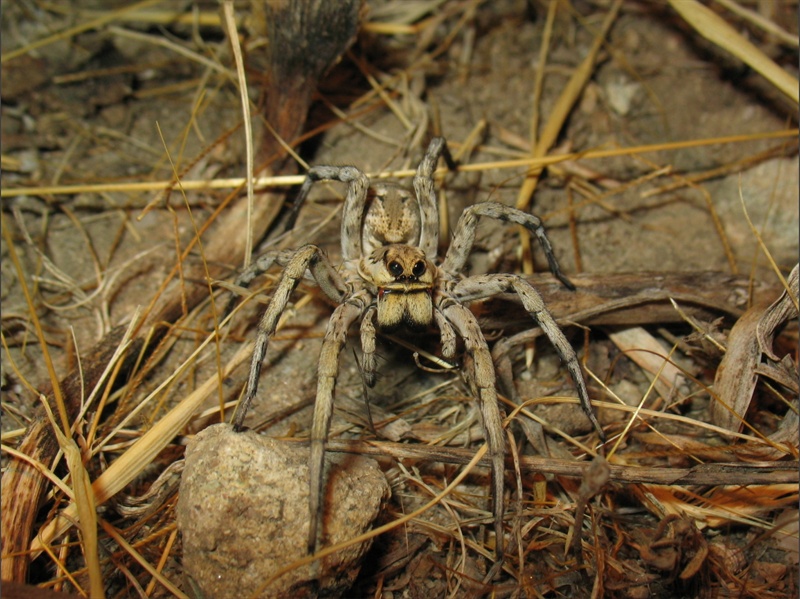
{"x":243,"y":515}
{"x":621,"y":94}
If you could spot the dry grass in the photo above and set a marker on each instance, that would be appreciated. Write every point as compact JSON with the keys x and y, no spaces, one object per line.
{"x":684,"y":506}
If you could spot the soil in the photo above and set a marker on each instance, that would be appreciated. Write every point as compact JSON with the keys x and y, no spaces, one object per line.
{"x":107,"y":105}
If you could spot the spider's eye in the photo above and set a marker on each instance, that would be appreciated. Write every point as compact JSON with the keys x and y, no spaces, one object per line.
{"x":418,"y":269}
{"x":395,"y":268}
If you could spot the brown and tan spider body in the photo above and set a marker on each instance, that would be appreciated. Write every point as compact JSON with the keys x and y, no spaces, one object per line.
{"x":390,"y":278}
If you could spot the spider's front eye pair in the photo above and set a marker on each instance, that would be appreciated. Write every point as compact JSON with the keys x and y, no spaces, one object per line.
{"x":397,"y":269}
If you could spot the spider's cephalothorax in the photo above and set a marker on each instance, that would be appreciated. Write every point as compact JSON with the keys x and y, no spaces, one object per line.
{"x":390,"y":277}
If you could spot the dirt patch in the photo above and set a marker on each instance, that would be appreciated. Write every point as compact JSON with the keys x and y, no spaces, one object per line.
{"x":144,"y":96}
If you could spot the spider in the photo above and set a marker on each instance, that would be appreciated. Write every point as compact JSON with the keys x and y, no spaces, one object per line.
{"x":390,"y":278}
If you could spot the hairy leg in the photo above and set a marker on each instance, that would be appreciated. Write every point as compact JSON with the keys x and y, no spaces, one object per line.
{"x":309,"y":258}
{"x":482,"y":378}
{"x":426,"y":194}
{"x":335,"y":338}
{"x":483,"y":286}
{"x":354,"y":203}
{"x":505,"y":377}
{"x":326,"y":277}
{"x":464,"y":236}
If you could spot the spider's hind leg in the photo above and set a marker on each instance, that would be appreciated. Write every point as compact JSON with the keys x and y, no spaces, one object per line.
{"x":437,"y":148}
{"x":258,"y":267}
{"x":426,"y":194}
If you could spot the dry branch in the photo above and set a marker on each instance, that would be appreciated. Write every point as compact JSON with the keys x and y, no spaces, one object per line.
{"x":633,"y":298}
{"x":767,"y":473}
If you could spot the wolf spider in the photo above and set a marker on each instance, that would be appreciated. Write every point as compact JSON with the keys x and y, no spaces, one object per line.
{"x":391,"y":278}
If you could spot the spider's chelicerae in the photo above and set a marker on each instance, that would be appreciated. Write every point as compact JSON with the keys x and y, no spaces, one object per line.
{"x":391,"y":278}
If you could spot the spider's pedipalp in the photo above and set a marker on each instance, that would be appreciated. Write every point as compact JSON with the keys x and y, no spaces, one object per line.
{"x":368,"y":333}
{"x":483,"y":380}
{"x":483,"y":286}
{"x":335,"y":337}
{"x":308,"y":258}
{"x":464,"y":237}
{"x":447,"y":334}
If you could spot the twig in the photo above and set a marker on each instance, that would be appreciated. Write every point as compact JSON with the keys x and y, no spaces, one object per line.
{"x":765,"y":473}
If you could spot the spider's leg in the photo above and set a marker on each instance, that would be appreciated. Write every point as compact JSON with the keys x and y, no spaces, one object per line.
{"x":426,"y":194}
{"x":354,"y":203}
{"x":483,"y":379}
{"x":447,"y":334}
{"x":335,"y":337}
{"x":261,"y":265}
{"x":300,"y":199}
{"x":368,"y":333}
{"x":464,"y":237}
{"x":308,"y":257}
{"x":505,"y":377}
{"x":483,"y":286}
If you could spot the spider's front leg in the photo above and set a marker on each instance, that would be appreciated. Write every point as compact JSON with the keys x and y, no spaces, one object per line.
{"x":328,"y":369}
{"x":479,"y":287}
{"x":354,"y":203}
{"x":263,"y":263}
{"x":483,"y":379}
{"x":426,"y":194}
{"x":308,"y":258}
{"x":464,"y":236}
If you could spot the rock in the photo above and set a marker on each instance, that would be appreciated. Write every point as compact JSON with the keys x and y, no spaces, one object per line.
{"x":243,"y":515}
{"x":621,"y":95}
{"x":769,"y":191}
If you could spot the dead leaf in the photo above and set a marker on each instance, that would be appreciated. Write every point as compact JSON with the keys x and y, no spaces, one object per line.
{"x":751,"y":339}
